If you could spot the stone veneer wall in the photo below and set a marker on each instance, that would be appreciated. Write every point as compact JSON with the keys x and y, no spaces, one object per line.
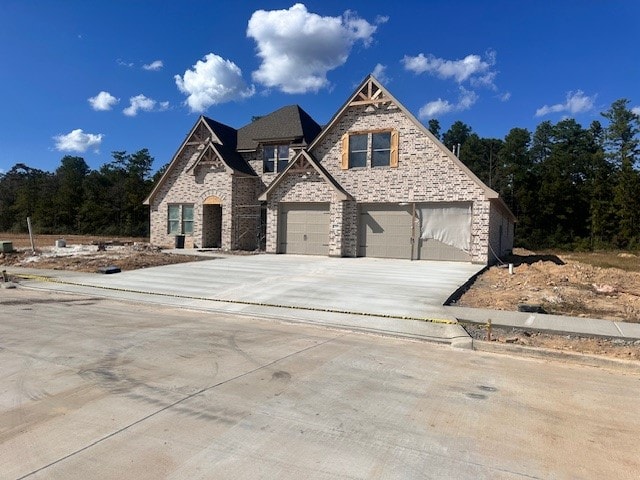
{"x":425,"y":173}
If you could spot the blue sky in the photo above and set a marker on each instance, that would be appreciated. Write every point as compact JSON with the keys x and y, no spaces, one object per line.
{"x":89,"y":77}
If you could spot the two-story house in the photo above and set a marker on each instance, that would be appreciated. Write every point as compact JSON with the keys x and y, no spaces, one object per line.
{"x":373,"y":182}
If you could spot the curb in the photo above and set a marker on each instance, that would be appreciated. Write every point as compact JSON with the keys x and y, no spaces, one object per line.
{"x":459,"y":340}
{"x":550,"y":354}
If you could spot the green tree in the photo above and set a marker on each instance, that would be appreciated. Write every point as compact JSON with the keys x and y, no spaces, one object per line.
{"x":622,"y":148}
{"x":457,"y":134}
{"x":481,"y":156}
{"x":434,"y":127}
{"x":565,"y":195}
{"x":69,"y":195}
{"x":130,"y":183}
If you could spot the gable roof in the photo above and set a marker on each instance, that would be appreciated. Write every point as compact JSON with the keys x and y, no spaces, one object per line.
{"x":382,"y":95}
{"x":228,"y":137}
{"x":289,"y":123}
{"x":304,"y":155}
{"x":226,"y":150}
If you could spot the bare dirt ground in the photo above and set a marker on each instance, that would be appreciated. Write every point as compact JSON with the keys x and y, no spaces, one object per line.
{"x":594,"y":285}
{"x":86,"y":253}
{"x":603,"y":285}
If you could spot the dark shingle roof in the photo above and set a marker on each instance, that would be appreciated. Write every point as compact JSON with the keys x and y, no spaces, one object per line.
{"x":288,"y":123}
{"x":229,"y":138}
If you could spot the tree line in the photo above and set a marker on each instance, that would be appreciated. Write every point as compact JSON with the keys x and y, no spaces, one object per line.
{"x":75,"y":199}
{"x":570,"y":187}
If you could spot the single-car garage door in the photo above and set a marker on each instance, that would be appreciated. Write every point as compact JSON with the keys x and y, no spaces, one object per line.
{"x":385,"y":231}
{"x":304,"y":228}
{"x":444,"y":231}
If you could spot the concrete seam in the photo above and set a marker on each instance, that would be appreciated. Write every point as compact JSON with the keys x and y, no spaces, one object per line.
{"x":177,"y":402}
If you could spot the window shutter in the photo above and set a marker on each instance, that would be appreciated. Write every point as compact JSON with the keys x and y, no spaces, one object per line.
{"x":394,"y":149}
{"x":345,"y":152}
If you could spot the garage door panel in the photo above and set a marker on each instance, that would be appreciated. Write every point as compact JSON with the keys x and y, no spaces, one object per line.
{"x":304,"y":229}
{"x":385,"y":231}
{"x":431,"y":249}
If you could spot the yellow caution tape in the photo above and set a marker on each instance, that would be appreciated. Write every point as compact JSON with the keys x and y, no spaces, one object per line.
{"x":43,"y":278}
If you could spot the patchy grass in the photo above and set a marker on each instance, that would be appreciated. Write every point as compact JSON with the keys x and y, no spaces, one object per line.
{"x":629,"y":262}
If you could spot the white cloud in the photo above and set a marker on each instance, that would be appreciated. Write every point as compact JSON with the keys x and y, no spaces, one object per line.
{"x":153,"y":66}
{"x":466,"y":99}
{"x":103,"y":101}
{"x":577,"y":102}
{"x":78,"y":141}
{"x":211,"y":81}
{"x":298,"y":48}
{"x":636,"y":110}
{"x":143,"y":103}
{"x":504,"y":97}
{"x":122,"y":63}
{"x":472,"y":67}
{"x":380,"y":72}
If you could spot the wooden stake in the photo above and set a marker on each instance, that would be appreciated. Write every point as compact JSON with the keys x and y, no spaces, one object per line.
{"x":33,"y":247}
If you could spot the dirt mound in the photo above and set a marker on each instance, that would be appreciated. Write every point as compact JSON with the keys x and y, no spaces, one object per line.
{"x":93,"y":256}
{"x":562,"y":285}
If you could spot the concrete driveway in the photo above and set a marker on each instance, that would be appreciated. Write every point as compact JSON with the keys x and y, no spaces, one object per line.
{"x":362,"y":285}
{"x":296,"y":287}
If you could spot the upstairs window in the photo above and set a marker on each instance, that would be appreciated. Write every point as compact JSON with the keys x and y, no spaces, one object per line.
{"x":358,"y":150}
{"x":275,"y":158}
{"x":370,"y":149}
{"x":381,"y":149}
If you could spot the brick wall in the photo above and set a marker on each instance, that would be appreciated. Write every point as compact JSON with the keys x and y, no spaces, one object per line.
{"x":194,"y":187}
{"x":424,"y":174}
{"x":302,"y":187}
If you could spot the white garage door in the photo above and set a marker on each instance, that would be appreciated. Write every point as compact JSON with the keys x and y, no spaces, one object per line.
{"x":304,"y":228}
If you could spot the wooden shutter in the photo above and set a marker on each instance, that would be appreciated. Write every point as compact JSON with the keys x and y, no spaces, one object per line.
{"x":345,"y":152}
{"x":394,"y":149}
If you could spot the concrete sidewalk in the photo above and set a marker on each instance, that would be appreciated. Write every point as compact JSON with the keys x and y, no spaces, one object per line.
{"x":549,"y":323}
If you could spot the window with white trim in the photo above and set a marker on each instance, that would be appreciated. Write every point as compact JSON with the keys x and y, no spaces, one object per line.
{"x":180,"y":218}
{"x":275,"y":157}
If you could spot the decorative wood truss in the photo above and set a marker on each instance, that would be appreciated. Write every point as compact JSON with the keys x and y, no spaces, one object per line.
{"x":302,"y":165}
{"x":370,"y":94}
{"x":208,"y":157}
{"x":201,"y":135}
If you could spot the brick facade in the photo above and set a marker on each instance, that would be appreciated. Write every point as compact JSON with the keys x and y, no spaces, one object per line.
{"x":193,"y":186}
{"x":425,"y":173}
